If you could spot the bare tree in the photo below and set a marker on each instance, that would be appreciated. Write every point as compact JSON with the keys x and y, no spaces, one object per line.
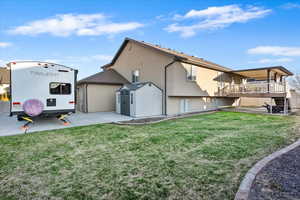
{"x":295,"y":82}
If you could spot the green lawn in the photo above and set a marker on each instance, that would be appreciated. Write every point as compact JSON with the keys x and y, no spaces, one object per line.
{"x":200,"y":157}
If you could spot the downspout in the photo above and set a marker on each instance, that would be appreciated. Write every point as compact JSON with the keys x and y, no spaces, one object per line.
{"x":86,"y":98}
{"x":165,"y":90}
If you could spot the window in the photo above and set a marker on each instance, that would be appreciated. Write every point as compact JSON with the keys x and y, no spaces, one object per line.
{"x":192,"y":73}
{"x":131,"y":98}
{"x":60,"y":88}
{"x":184,"y":105}
{"x":135,"y":76}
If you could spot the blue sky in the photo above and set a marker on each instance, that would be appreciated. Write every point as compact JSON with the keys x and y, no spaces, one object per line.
{"x":86,"y":34}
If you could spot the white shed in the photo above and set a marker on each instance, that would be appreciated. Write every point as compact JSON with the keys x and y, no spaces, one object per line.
{"x":139,"y":100}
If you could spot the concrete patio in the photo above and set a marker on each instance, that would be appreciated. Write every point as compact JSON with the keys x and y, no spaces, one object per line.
{"x":10,"y":125}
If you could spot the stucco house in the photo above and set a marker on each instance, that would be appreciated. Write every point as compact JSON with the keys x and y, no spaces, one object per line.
{"x":188,"y":83}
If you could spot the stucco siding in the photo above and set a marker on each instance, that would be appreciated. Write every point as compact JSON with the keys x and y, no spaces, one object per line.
{"x":101,"y":98}
{"x":150,"y":63}
{"x":208,"y":82}
{"x":196,"y":104}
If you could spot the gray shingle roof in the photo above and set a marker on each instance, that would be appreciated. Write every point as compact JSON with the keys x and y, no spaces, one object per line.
{"x":110,"y":77}
{"x":138,"y":85}
{"x":180,"y":56}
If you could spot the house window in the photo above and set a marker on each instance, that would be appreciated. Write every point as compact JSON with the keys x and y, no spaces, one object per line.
{"x":131,"y":98}
{"x":184,"y":105}
{"x":60,"y":88}
{"x":135,"y":76}
{"x":192,"y":73}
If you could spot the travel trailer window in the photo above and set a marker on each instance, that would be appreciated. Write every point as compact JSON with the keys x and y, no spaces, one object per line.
{"x":60,"y":88}
{"x":135,"y":76}
{"x":192,"y":73}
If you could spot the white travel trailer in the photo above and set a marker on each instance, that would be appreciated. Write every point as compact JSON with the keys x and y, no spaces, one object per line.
{"x":53,"y":86}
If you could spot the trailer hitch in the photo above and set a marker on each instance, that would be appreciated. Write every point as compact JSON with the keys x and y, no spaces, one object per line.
{"x":64,"y":119}
{"x":25,"y":127}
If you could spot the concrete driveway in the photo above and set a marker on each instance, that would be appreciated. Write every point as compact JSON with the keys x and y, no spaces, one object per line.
{"x":10,"y":125}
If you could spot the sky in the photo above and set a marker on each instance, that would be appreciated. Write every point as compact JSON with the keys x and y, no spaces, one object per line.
{"x":86,"y":34}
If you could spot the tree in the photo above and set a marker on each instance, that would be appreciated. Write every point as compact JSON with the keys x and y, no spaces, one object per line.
{"x":295,"y":82}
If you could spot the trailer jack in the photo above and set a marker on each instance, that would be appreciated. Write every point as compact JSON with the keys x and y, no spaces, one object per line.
{"x":64,"y":119}
{"x":25,"y":127}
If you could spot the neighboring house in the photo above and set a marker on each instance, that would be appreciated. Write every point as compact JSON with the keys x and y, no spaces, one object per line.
{"x":294,"y":97}
{"x":4,"y":84}
{"x":189,"y":84}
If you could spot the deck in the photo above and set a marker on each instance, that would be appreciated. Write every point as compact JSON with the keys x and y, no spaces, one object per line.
{"x":255,"y":89}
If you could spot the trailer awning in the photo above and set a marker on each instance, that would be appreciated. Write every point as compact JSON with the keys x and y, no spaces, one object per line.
{"x":4,"y":76}
{"x":263,"y":73}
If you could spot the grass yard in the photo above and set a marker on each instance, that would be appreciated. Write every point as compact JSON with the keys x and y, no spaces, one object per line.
{"x":199,"y":157}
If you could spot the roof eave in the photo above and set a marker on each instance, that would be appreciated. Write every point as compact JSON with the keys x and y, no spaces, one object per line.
{"x":289,"y":73}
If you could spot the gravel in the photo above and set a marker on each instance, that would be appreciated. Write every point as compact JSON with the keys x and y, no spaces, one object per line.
{"x":280,"y":179}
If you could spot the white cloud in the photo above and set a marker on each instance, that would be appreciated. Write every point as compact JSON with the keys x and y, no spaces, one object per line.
{"x":275,"y":51}
{"x":290,"y":6}
{"x":71,"y":24}
{"x":98,"y":57}
{"x":215,"y":17}
{"x":107,"y":29}
{"x":5,"y":44}
{"x":277,"y":60}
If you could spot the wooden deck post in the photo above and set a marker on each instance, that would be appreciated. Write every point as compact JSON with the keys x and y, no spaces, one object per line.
{"x":285,"y":106}
{"x":269,"y":76}
{"x":271,"y":106}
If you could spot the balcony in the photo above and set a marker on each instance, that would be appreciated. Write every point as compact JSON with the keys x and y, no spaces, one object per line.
{"x":255,"y":89}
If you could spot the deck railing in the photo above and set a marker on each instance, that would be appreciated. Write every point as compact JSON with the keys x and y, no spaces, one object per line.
{"x":255,"y":88}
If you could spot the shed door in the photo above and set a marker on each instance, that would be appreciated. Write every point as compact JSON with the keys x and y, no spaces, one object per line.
{"x":81,"y":99}
{"x":125,"y":102}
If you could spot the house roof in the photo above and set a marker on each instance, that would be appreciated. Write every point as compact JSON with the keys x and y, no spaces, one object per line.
{"x":4,"y":76}
{"x":109,"y":76}
{"x":179,"y":56}
{"x":262,"y":73}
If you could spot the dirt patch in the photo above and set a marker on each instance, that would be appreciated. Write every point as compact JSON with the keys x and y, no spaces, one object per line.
{"x":143,"y":121}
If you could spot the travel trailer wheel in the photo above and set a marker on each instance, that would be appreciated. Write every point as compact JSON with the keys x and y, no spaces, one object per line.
{"x":20,"y":118}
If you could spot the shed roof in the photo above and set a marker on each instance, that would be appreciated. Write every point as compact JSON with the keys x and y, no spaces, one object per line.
{"x":4,"y":76}
{"x":136,"y":86}
{"x":180,"y":56}
{"x":109,"y":77}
